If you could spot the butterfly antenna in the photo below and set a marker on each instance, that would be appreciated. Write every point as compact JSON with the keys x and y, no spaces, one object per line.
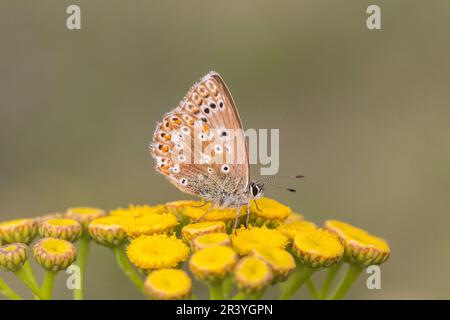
{"x":276,"y":186}
{"x":298,"y":176}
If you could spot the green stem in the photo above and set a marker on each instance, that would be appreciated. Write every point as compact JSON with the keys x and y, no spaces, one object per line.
{"x":331,"y":275}
{"x":228,"y":286}
{"x":240,"y":296}
{"x":7,"y":291}
{"x":83,"y":252}
{"x":127,"y":268}
{"x":26,"y":275}
{"x":312,"y":289}
{"x":47,"y":284}
{"x":346,"y":282}
{"x":257,"y":296}
{"x":298,"y":279}
{"x":216,"y":291}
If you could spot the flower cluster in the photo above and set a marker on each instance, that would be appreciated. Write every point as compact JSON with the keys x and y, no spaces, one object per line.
{"x":163,"y":248}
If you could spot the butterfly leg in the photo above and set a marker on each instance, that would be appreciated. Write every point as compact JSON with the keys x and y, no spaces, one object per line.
{"x":248,"y":215}
{"x":204,"y":214}
{"x":236,"y":219}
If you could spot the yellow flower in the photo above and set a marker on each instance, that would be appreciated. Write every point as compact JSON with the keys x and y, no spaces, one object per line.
{"x":66,"y":229}
{"x":211,"y":240}
{"x":137,"y":211}
{"x":223,"y":214}
{"x":18,"y":230}
{"x":317,"y":248}
{"x":168,"y":284}
{"x":193,"y":230}
{"x":54,"y":254}
{"x":55,"y":215}
{"x":213,"y":264}
{"x":270,"y":213}
{"x":157,"y":251}
{"x":84,"y":215}
{"x":280,"y":261}
{"x":252,"y":274}
{"x":178,"y":207}
{"x":360,"y":247}
{"x":294,"y":217}
{"x":245,"y":240}
{"x":291,"y":229}
{"x":151,"y":224}
{"x":13,"y":256}
{"x":109,"y":230}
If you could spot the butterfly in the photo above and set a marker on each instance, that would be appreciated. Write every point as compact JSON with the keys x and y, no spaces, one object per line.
{"x":200,"y":147}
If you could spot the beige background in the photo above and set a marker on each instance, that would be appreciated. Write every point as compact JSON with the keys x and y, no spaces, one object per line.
{"x":363,"y":114}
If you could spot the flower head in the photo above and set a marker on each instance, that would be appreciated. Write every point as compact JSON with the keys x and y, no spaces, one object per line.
{"x":109,"y":230}
{"x":213,"y":264}
{"x":294,"y":217}
{"x":18,"y":230}
{"x":211,"y":240}
{"x":292,"y":228}
{"x":168,"y":284}
{"x":54,"y":254}
{"x":137,"y":211}
{"x":252,"y":274}
{"x":151,"y":224}
{"x":247,"y":239}
{"x":84,"y":215}
{"x":193,"y":230}
{"x":280,"y":261}
{"x":55,"y":215}
{"x":268,"y":212}
{"x":178,"y":207}
{"x":157,"y":251}
{"x":223,"y":214}
{"x":360,"y":247}
{"x":66,"y":229}
{"x":317,"y":248}
{"x":13,"y":256}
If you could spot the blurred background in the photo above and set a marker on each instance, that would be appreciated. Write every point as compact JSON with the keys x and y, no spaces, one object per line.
{"x":364,"y":115}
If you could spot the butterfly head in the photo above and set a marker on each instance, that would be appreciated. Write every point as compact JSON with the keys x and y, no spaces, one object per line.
{"x":256,"y":189}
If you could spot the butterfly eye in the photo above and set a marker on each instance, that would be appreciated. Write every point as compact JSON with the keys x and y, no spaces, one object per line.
{"x":221,"y":106}
{"x":210,"y":170}
{"x":182,"y":158}
{"x":183,"y":181}
{"x":225,"y":168}
{"x":218,"y":148}
{"x":176,"y":169}
{"x":223,"y":134}
{"x":206,"y":110}
{"x":212,"y":105}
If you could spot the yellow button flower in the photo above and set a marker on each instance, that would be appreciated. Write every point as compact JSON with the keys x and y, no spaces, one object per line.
{"x":168,"y":284}
{"x":66,"y":229}
{"x":13,"y":256}
{"x":280,"y":261}
{"x":223,"y":214}
{"x":137,"y":211}
{"x":54,"y":254}
{"x":18,"y":230}
{"x":84,"y":215}
{"x":270,"y":213}
{"x":157,"y":251}
{"x":109,"y":230}
{"x":317,"y":248}
{"x":252,"y":274}
{"x":294,"y":217}
{"x":247,"y":239}
{"x":213,"y":264}
{"x":360,"y":247}
{"x":193,"y":230}
{"x":291,"y":229}
{"x":151,"y":224}
{"x":211,"y":240}
{"x":178,"y":207}
{"x":55,"y":215}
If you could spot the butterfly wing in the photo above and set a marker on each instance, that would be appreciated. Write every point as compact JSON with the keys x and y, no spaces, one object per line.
{"x":200,"y":145}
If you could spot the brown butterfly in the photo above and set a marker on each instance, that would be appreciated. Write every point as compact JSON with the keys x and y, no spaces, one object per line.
{"x":200,"y":147}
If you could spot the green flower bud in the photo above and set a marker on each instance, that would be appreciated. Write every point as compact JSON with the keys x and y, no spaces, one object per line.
{"x":54,"y":254}
{"x":19,"y":230}
{"x":13,"y":256}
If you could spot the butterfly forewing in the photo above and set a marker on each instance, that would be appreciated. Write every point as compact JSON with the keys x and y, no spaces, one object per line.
{"x":200,"y":145}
